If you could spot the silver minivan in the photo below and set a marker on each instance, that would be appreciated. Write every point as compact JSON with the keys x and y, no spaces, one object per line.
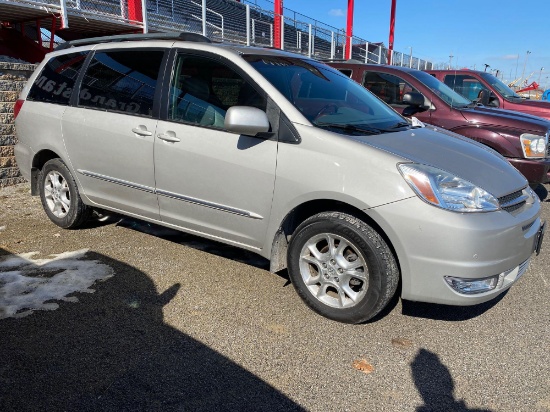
{"x":280,"y":155}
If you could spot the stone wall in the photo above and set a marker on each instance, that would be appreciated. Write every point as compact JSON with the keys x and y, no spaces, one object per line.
{"x":13,"y":76}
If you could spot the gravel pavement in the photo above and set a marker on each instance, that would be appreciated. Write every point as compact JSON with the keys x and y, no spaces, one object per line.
{"x":185,"y":324}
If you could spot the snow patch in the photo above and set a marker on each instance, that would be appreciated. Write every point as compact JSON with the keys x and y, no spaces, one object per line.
{"x":27,"y":285}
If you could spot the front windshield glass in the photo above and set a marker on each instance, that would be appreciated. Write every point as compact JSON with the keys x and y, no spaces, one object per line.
{"x":327,"y":98}
{"x":500,"y":87}
{"x":443,"y":91}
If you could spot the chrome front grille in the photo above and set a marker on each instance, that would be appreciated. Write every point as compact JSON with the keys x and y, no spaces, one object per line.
{"x":512,"y":201}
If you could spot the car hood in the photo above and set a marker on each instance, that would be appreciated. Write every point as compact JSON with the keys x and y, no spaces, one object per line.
{"x":506,"y":118}
{"x":535,"y":107}
{"x":538,"y":104}
{"x":455,"y":154}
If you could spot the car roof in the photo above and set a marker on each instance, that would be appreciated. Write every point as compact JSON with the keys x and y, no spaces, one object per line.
{"x":171,"y":40}
{"x":455,"y":71}
{"x":358,"y":65}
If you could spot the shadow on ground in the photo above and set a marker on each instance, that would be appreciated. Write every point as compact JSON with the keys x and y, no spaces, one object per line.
{"x":196,"y":242}
{"x":446,"y":312}
{"x":112,"y":351}
{"x":414,"y":309}
{"x":436,"y":385}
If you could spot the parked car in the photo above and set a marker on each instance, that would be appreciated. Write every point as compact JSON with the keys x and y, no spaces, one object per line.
{"x":280,"y":155}
{"x":521,"y":138}
{"x":487,"y":89}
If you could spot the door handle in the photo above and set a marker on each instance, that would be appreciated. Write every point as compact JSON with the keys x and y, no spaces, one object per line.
{"x":168,"y":136}
{"x":142,"y":131}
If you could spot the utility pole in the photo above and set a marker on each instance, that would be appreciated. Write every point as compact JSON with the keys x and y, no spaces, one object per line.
{"x":451,"y":61}
{"x":540,"y":74}
{"x":525,"y":64}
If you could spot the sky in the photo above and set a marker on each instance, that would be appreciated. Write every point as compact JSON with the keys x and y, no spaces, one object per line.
{"x":474,"y":32}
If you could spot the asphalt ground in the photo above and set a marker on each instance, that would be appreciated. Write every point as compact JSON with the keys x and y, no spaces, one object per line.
{"x":187,"y":324}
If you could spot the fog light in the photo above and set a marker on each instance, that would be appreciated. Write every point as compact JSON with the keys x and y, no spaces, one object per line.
{"x":472,"y":286}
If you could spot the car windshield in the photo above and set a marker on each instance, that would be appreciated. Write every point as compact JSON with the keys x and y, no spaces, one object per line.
{"x":443,"y":91}
{"x":500,"y":87}
{"x":327,"y":98}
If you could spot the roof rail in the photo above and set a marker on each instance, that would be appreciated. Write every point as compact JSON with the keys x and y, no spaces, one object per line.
{"x":184,"y":36}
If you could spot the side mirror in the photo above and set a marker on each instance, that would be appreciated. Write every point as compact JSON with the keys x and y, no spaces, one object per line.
{"x":413,"y":99}
{"x":493,"y":100}
{"x":246,"y":120}
{"x":415,"y":103}
{"x":484,"y":97}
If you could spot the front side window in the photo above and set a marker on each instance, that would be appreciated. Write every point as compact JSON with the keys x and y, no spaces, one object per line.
{"x":441,"y":90}
{"x":466,"y":85}
{"x":56,"y":82}
{"x":388,"y":87}
{"x":122,"y":81}
{"x":501,"y":87}
{"x":202,"y":90}
{"x":326,"y":97}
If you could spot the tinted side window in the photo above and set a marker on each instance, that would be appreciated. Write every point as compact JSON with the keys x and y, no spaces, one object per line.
{"x":387,"y":87}
{"x":203,"y":89}
{"x":56,"y":82}
{"x":122,"y":81}
{"x":467,"y":86}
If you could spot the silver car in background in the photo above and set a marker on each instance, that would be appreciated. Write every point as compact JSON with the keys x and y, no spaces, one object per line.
{"x":280,"y":155}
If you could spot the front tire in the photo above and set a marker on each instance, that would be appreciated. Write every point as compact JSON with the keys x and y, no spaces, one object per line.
{"x":60,"y":198}
{"x":341,"y":267}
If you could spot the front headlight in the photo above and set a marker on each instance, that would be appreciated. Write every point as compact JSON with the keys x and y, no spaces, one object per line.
{"x":533,"y":146}
{"x":447,"y":191}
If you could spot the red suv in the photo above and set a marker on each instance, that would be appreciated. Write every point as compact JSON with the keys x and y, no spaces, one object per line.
{"x":521,"y":138}
{"x":490,"y":91}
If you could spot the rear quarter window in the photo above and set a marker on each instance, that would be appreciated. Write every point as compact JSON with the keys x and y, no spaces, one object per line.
{"x":56,"y":81}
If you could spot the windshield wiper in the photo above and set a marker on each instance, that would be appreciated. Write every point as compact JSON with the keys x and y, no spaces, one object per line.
{"x":399,"y":125}
{"x":351,"y":128}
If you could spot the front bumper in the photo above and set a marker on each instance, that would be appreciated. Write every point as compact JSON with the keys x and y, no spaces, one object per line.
{"x":534,"y":170}
{"x":432,"y":243}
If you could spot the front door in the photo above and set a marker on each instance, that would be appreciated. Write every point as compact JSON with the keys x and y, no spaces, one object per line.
{"x":209,"y":180}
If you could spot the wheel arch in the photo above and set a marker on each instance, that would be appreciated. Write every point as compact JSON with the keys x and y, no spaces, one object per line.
{"x":38,"y":163}
{"x":279,"y":247}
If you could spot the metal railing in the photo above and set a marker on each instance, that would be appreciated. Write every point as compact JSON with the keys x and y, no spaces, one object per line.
{"x":247,"y":22}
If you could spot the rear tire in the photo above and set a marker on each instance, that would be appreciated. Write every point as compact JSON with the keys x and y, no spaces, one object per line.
{"x":60,"y":198}
{"x":341,"y":267}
